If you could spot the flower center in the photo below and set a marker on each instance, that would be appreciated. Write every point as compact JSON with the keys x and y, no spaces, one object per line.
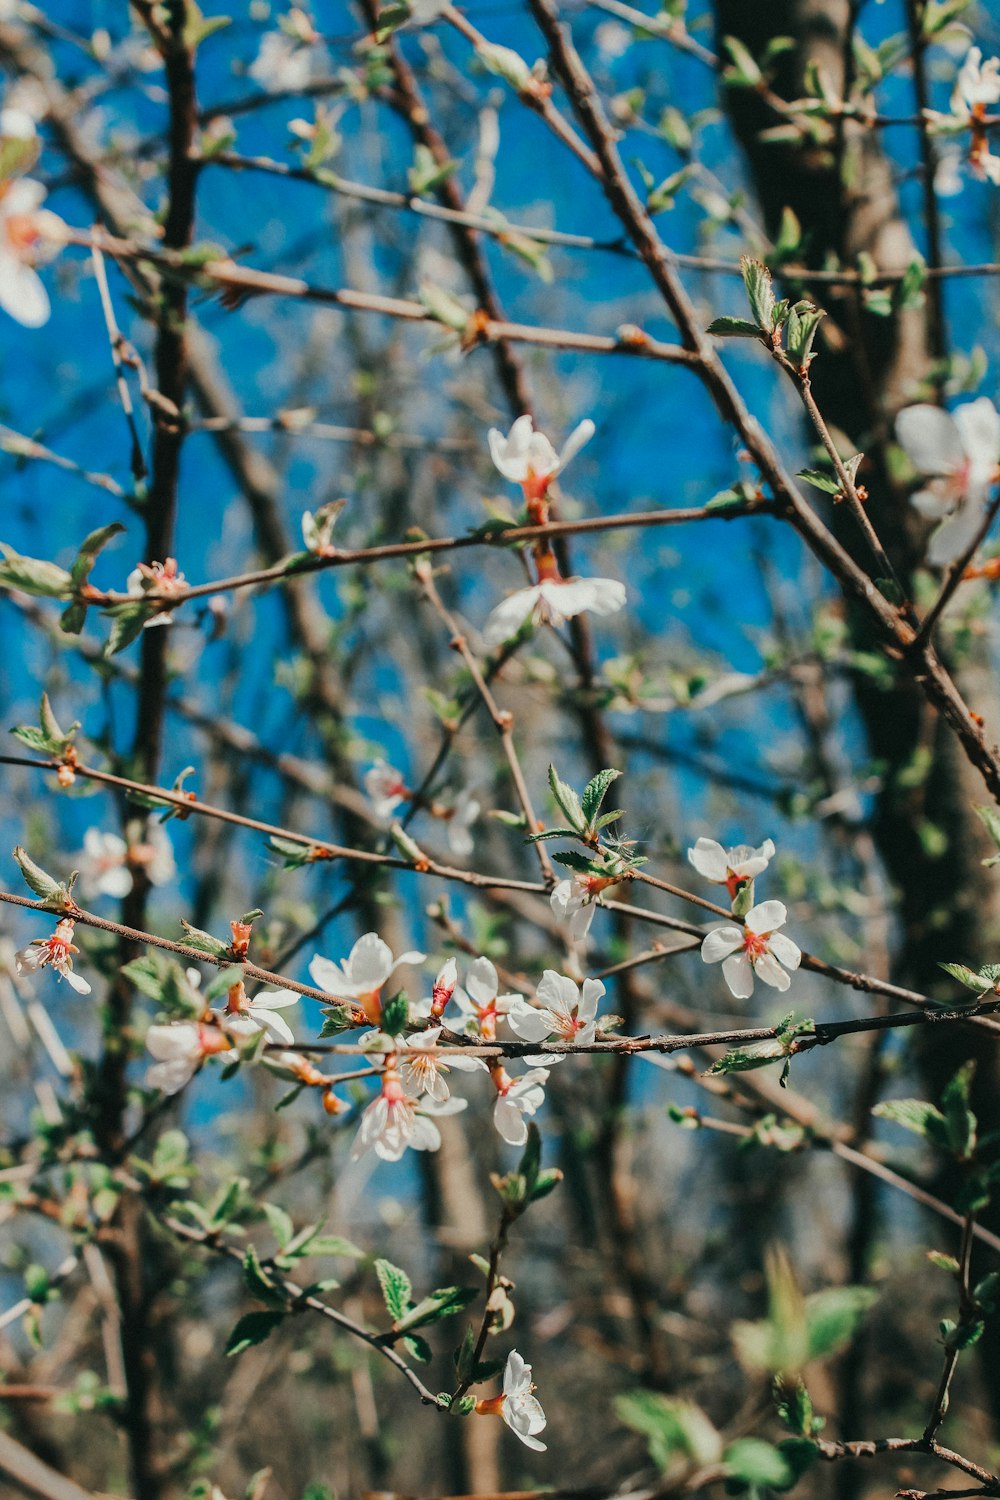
{"x":755,"y":944}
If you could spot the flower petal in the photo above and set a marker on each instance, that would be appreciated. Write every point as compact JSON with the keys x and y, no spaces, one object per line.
{"x":738,"y":974}
{"x":720,"y":942}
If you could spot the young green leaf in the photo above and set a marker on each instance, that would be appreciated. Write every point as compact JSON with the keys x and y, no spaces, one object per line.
{"x":397,"y":1289}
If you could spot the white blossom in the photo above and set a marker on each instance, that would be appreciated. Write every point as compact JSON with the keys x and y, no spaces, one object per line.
{"x":363,"y":973}
{"x":259,"y":1014}
{"x":573,"y":904}
{"x":282,"y":64}
{"x":386,"y":788}
{"x":565,"y":1012}
{"x":108,"y":861}
{"x":961,"y":450}
{"x":480,"y":1001}
{"x":519,"y":1408}
{"x":525,"y":456}
{"x":180,"y":1048}
{"x":423,"y":1067}
{"x":552,"y":602}
{"x":28,"y":234}
{"x":432,"y":1006}
{"x":757,"y":948}
{"x":461,"y":816}
{"x":395,"y":1121}
{"x":730,"y":867}
{"x":978,"y":83}
{"x":516,"y":1098}
{"x":158,"y":577}
{"x":54,"y":952}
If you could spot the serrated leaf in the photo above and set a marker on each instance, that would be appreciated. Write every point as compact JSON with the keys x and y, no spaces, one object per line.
{"x":397,"y":1289}
{"x":595,"y":792}
{"x":418,"y":1348}
{"x":566,"y":800}
{"x":733,"y":328}
{"x":760,"y":289}
{"x":576,"y":861}
{"x":333,"y":1244}
{"x":258,"y":1283}
{"x":972,"y":981}
{"x":745,"y":1059}
{"x":550,"y":833}
{"x":828,"y":483}
{"x":47,"y":889}
{"x":253,"y":1329}
{"x":912,"y":1114}
{"x":279,"y":1223}
{"x":204,"y":942}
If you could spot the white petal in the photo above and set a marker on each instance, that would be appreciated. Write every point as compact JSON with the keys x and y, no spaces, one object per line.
{"x":274,"y":1025}
{"x":557,"y":992}
{"x":509,"y":615}
{"x":531,"y":1024}
{"x":930,"y":438}
{"x":115,"y":883}
{"x":277,"y":999}
{"x":766,"y":917}
{"x":932,"y":503}
{"x":170,"y":1076}
{"x":738,"y":974}
{"x":481,"y":982}
{"x":22,"y":294}
{"x":75,"y":982}
{"x":330,"y":977}
{"x":709,"y":859}
{"x":785,"y":951}
{"x":580,"y":922}
{"x":178,"y":1039}
{"x":954,"y":536}
{"x":979,"y":425}
{"x":510,"y":1123}
{"x":769,"y":969}
{"x":593,"y":993}
{"x":426,"y":1136}
{"x":578,"y":438}
{"x":720,"y":942}
{"x":370,"y":963}
{"x":411,"y":956}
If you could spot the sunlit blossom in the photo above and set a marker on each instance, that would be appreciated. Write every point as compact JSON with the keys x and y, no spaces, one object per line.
{"x":29,"y":235}
{"x":526,"y":457}
{"x":480,"y":1000}
{"x":961,"y":450}
{"x":108,"y":861}
{"x":517,"y":1406}
{"x":362,"y":974}
{"x":180,"y":1048}
{"x":730,"y":867}
{"x":244,"y":1016}
{"x":516,"y":1099}
{"x":56,"y":953}
{"x":758,"y":948}
{"x":565,"y":1013}
{"x":458,"y":824}
{"x":396,"y":1121}
{"x":552,"y":602}
{"x":423,"y":1067}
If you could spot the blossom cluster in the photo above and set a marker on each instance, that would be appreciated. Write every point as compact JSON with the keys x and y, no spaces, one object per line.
{"x":758,"y":948}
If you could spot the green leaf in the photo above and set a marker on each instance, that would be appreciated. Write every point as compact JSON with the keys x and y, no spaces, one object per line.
{"x":258,"y":1283}
{"x":733,"y":328}
{"x":828,"y":483}
{"x":573,"y":860}
{"x":972,"y":980}
{"x":395,"y":1014}
{"x":465,"y":1356}
{"x":911,"y":1114}
{"x":961,"y":1122}
{"x":595,"y":792}
{"x":443,"y":1303}
{"x":253,"y":1329}
{"x":90,"y":548}
{"x":745,"y":1059}
{"x":280,"y":1224}
{"x":418,"y":1348}
{"x":760,"y":290}
{"x":756,"y":1463}
{"x":47,"y":889}
{"x":991,"y":821}
{"x":567,"y":801}
{"x":332,"y":1244}
{"x":397,"y":1289}
{"x":832,"y":1316}
{"x":672,"y":1428}
{"x":32,"y":575}
{"x":127,"y":621}
{"x":204,"y":942}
